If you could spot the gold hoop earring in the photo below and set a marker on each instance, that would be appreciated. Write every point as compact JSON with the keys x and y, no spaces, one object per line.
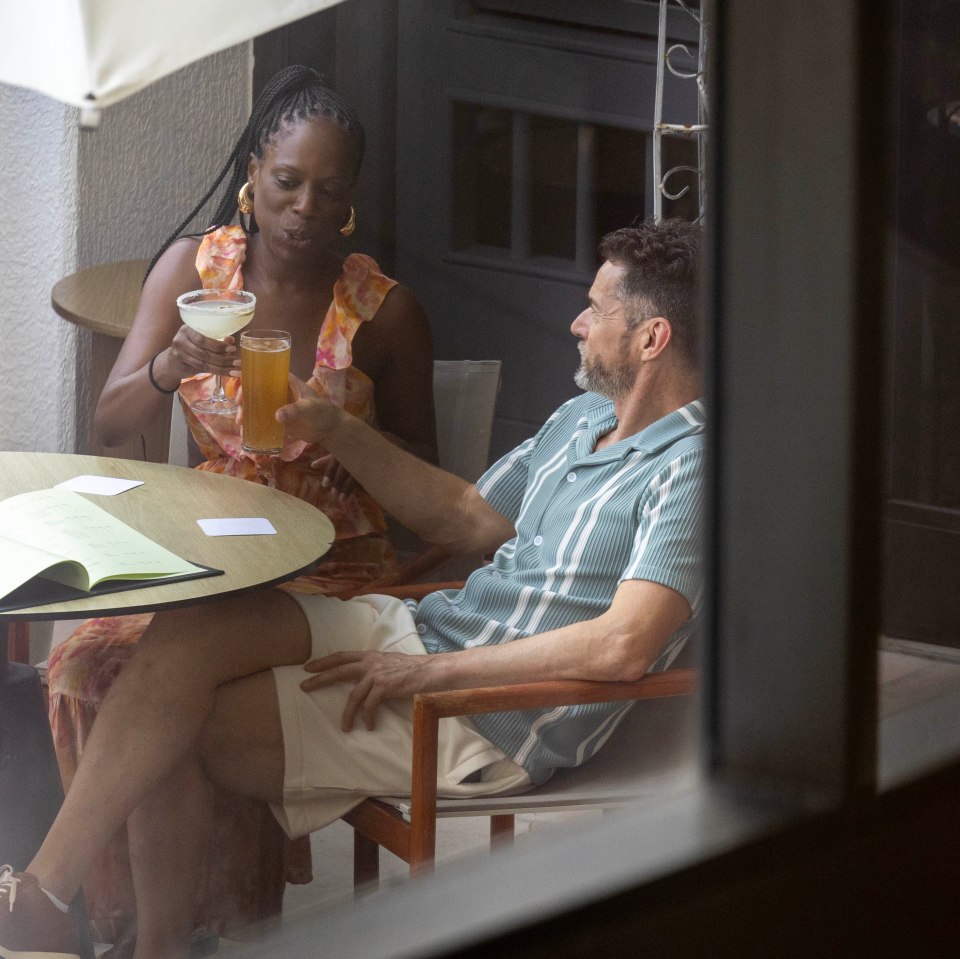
{"x":351,"y":223}
{"x":244,"y":199}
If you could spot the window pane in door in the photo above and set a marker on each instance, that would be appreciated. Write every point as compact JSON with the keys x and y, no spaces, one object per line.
{"x":621,"y":176}
{"x":553,"y":187}
{"x":922,"y":516}
{"x":482,"y":178}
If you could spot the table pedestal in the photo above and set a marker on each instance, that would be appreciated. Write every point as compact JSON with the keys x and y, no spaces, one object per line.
{"x":103,"y":299}
{"x":30,"y":789}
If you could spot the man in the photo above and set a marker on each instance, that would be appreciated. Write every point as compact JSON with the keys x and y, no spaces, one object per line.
{"x":596,"y":525}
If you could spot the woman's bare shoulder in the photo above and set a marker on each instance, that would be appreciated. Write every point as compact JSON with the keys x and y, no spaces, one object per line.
{"x":396,"y":335}
{"x":400,"y":323}
{"x":401,"y":311}
{"x":177,"y":266}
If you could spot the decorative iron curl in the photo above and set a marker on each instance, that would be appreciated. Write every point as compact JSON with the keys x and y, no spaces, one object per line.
{"x":670,"y":173}
{"x":682,"y":74}
{"x":696,"y":16}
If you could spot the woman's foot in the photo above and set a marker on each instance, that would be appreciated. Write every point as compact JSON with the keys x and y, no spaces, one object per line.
{"x":30,"y":924}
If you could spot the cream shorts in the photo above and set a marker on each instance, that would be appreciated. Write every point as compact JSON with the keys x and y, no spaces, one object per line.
{"x":327,"y":771}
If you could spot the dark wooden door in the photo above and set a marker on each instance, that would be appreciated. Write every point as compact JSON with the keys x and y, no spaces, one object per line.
{"x":523,"y":134}
{"x":923,"y":509}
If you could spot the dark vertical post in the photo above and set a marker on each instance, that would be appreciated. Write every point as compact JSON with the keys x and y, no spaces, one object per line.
{"x":586,"y":242}
{"x":797,"y":394}
{"x":520,"y":189}
{"x":30,"y":789}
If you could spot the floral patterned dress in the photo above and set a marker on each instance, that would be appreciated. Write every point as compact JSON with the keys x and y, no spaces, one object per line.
{"x":252,"y":859}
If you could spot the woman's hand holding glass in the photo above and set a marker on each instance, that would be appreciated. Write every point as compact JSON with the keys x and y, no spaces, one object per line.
{"x":215,"y":315}
{"x":191,"y":352}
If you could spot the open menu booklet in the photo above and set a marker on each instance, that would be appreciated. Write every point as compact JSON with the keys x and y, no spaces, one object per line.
{"x":55,"y":545}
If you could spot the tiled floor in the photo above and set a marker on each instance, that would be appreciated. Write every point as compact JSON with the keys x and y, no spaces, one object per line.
{"x":910,"y":674}
{"x":456,"y":838}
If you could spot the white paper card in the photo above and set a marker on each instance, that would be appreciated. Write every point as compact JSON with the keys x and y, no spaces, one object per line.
{"x":100,"y":485}
{"x":248,"y":526}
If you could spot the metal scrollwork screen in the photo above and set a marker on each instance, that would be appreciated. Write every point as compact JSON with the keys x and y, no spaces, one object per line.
{"x":681,"y":62}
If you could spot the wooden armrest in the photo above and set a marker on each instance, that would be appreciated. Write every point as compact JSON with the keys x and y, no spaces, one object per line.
{"x":429,"y":708}
{"x":15,"y":642}
{"x":560,"y":692}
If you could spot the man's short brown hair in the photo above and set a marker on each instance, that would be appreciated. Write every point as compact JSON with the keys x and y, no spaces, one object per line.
{"x":662,"y":263}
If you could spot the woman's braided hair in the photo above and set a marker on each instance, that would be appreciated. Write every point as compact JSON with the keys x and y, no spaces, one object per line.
{"x":294,"y":94}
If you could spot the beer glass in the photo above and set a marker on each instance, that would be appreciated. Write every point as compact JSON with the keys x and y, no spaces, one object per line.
{"x":264,"y":369}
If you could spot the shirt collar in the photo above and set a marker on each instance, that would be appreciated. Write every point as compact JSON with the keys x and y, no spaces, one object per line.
{"x":600,"y":419}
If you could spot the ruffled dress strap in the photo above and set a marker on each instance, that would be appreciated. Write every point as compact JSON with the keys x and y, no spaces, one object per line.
{"x":220,"y":258}
{"x":357,"y":295}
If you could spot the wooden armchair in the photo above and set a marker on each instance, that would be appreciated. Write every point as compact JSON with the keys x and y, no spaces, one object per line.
{"x":652,"y":758}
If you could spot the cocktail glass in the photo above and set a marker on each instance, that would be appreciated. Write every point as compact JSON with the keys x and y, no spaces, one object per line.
{"x":217,"y":314}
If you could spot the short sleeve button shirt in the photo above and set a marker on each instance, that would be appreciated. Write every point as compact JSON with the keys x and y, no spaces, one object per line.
{"x":586,"y":520}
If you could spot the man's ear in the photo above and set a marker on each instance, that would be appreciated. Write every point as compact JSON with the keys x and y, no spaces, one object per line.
{"x":655,"y":337}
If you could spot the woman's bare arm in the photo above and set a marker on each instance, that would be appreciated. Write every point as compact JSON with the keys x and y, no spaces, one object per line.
{"x":396,"y":351}
{"x":129,"y":400}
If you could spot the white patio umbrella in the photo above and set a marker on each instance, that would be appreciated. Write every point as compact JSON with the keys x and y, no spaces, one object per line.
{"x":92,"y":53}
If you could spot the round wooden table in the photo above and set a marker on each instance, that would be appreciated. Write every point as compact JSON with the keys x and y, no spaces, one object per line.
{"x":103,"y":299}
{"x":165,"y":508}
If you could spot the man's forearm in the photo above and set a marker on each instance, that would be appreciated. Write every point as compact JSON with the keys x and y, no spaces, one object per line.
{"x":439,"y":507}
{"x":421,"y":496}
{"x":621,"y":644}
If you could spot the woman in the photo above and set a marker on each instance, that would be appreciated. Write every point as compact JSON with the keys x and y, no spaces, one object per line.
{"x":357,"y":336}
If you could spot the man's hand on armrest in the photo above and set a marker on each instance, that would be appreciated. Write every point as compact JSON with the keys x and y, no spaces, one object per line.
{"x":621,"y":644}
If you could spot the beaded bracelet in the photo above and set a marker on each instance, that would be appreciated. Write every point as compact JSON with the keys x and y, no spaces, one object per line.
{"x":154,"y":383}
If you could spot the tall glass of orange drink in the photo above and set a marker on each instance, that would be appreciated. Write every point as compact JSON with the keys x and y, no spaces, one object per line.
{"x":264,"y":365}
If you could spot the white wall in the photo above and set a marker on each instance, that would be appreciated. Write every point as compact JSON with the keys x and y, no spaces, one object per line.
{"x":155,"y":154}
{"x":38,"y":244}
{"x":72,"y":198}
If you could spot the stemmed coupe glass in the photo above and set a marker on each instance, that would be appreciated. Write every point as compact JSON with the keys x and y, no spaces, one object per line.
{"x":217,"y":314}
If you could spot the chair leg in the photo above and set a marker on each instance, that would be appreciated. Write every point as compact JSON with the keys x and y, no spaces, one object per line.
{"x":501,"y":831}
{"x":18,"y":642}
{"x":366,"y":861}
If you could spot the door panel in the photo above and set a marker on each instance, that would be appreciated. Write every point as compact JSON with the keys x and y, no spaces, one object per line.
{"x":520,"y":140}
{"x":922,"y":528}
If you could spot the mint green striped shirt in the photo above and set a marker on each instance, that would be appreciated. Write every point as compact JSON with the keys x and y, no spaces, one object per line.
{"x":586,"y":521}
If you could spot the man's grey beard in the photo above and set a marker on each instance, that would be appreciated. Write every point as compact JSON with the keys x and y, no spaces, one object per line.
{"x":611,"y":382}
